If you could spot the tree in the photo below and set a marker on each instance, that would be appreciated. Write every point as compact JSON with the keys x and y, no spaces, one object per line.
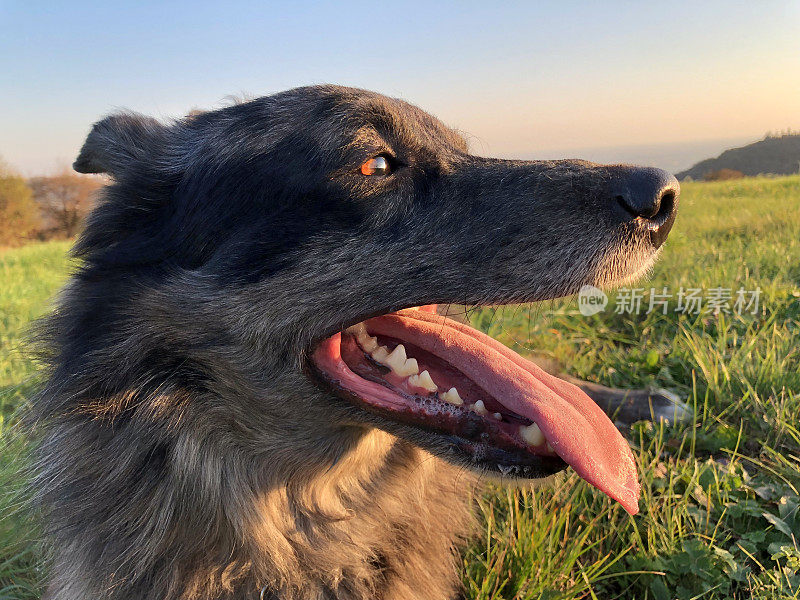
{"x":19,"y":217}
{"x":65,"y":199}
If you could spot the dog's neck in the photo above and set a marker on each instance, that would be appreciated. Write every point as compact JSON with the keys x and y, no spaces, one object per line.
{"x":382,"y":521}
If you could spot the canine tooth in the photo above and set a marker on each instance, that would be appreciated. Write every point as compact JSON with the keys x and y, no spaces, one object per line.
{"x":498,"y":416}
{"x":549,"y":447}
{"x":380,"y":354}
{"x":410,"y":367}
{"x":532,"y":435}
{"x":424,"y":381}
{"x":397,"y":359}
{"x":451,"y":396}
{"x":480,"y":408}
{"x":367,"y":342}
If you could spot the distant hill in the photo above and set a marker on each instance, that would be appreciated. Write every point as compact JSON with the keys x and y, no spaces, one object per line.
{"x":774,"y":155}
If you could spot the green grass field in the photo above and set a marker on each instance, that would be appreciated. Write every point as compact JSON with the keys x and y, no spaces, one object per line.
{"x":719,"y":510}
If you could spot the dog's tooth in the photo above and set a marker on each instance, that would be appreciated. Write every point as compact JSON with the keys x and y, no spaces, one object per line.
{"x":532,"y":435}
{"x":549,"y":447}
{"x":427,"y":381}
{"x":498,"y":416}
{"x":397,"y":359}
{"x":480,"y":408}
{"x":357,"y":330}
{"x":410,"y":367}
{"x":367,"y":342}
{"x":380,"y":354}
{"x":451,"y":396}
{"x":424,"y":381}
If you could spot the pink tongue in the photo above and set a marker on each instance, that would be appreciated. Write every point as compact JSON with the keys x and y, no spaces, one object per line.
{"x":579,"y":432}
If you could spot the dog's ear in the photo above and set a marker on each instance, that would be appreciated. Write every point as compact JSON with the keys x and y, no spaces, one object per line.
{"x":119,"y":142}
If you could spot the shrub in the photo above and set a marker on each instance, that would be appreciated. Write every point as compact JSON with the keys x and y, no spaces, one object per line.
{"x":722,"y":174}
{"x":19,"y":215}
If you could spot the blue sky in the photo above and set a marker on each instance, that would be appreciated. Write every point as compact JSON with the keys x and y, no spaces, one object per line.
{"x":522,"y":79}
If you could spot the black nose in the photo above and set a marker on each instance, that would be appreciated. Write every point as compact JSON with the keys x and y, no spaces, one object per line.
{"x":647,"y":194}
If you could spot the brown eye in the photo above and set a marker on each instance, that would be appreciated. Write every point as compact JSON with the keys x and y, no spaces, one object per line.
{"x":376,"y":166}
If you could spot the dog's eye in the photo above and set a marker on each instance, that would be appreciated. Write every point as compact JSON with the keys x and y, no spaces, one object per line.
{"x":378,"y":165}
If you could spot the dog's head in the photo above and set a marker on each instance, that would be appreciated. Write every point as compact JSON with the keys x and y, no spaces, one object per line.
{"x":257,"y":256}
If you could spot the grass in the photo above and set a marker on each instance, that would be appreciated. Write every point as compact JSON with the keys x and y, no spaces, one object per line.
{"x":719,"y":510}
{"x":29,"y":276}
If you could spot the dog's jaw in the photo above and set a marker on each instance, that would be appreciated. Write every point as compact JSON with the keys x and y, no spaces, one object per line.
{"x":514,"y":413}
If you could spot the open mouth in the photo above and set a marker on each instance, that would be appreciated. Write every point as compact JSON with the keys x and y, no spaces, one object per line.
{"x":423,"y":369}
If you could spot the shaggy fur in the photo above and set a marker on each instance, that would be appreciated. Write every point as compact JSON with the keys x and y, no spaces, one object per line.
{"x":184,"y":452}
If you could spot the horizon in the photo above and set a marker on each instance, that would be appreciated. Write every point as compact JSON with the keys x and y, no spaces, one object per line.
{"x":615,"y":83}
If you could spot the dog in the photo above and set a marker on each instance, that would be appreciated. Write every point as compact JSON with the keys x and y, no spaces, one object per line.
{"x":249,"y":393}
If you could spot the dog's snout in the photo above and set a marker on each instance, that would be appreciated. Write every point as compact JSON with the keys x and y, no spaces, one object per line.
{"x":648,"y":194}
